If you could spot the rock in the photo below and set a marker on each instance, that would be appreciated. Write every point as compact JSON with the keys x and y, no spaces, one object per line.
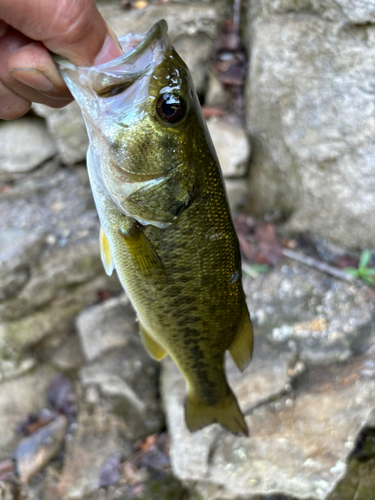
{"x":25,"y":144}
{"x":119,"y":366}
{"x":308,"y":395}
{"x":231,"y":144}
{"x":216,"y":95}
{"x":50,"y":266}
{"x":106,"y":326}
{"x":58,"y":318}
{"x":193,"y":28}
{"x":19,"y":250}
{"x":127,"y":378}
{"x":237,"y":192}
{"x":310,"y":117}
{"x":68,"y":129}
{"x":69,"y":355}
{"x":34,"y":452}
{"x":19,"y":398}
{"x":99,"y":435}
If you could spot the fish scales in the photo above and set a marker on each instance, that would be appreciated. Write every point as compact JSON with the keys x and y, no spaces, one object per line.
{"x":166,"y":225}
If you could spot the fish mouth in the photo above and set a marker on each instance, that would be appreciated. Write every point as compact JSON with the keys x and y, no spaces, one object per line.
{"x":113,"y":77}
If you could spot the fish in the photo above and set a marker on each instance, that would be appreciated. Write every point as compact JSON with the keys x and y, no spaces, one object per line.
{"x":166,"y":226}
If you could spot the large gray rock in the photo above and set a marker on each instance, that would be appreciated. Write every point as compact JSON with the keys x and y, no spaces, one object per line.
{"x":193,"y":28}
{"x":50,"y":266}
{"x":310,"y":111}
{"x":308,"y":394}
{"x":25,"y":144}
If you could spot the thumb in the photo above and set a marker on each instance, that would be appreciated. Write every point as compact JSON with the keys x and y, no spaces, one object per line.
{"x":70,"y":28}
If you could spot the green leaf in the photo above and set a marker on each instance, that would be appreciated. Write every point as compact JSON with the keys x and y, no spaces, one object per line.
{"x":364,"y":259}
{"x":370,"y":271}
{"x":367,"y":280}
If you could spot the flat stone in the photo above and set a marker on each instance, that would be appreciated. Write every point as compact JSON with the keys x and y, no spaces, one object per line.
{"x":25,"y":144}
{"x":106,"y":326}
{"x":20,"y":398}
{"x":305,"y":406}
{"x":310,"y":117}
{"x":231,"y":144}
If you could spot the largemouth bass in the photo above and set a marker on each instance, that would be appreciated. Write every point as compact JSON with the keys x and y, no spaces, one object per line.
{"x":165,"y":221}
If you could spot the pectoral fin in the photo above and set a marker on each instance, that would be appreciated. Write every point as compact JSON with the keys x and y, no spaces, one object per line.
{"x":144,"y":255}
{"x":105,"y":253}
{"x":241,"y":348}
{"x":153,"y":348}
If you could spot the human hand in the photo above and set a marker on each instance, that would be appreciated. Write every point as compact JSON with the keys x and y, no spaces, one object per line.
{"x":29,"y":29}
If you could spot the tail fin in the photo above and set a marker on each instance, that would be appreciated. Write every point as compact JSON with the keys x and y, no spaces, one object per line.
{"x":226,"y":413}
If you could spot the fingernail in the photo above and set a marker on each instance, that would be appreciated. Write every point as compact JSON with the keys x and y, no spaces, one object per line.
{"x":110,"y":50}
{"x":32,"y":78}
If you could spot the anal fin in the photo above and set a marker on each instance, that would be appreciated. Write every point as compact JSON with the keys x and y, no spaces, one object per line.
{"x":153,"y":348}
{"x":241,"y":348}
{"x":105,"y":253}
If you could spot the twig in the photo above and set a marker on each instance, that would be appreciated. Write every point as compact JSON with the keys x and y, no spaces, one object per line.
{"x":321,"y":266}
{"x":271,"y":398}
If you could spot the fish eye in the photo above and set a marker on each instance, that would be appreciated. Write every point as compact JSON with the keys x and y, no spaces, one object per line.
{"x":171,"y":108}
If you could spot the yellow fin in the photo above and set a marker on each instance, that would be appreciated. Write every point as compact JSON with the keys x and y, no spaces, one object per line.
{"x":226,"y":413}
{"x":143,"y":254}
{"x":241,"y":348}
{"x":105,"y":253}
{"x":153,"y":348}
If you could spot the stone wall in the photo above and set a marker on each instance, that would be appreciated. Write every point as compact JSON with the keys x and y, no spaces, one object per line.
{"x":310,"y":116}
